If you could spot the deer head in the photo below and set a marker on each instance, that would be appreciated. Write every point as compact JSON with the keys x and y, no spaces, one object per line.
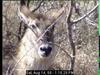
{"x":37,"y":24}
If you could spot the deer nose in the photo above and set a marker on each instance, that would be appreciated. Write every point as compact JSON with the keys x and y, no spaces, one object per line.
{"x":46,"y":50}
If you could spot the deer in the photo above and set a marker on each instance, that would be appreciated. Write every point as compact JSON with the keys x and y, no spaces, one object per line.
{"x":37,"y":55}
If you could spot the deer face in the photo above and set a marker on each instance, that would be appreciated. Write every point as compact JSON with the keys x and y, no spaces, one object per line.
{"x":45,"y":46}
{"x":37,"y":24}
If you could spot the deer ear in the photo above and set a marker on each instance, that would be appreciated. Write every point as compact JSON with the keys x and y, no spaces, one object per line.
{"x":23,"y":14}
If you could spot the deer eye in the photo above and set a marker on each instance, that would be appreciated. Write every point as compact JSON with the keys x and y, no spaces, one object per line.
{"x":37,"y":24}
{"x":33,"y":26}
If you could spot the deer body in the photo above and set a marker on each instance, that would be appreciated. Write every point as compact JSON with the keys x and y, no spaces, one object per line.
{"x":33,"y":55}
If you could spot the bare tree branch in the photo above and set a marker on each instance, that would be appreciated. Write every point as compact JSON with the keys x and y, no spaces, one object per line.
{"x":70,"y":23}
{"x":78,"y":11}
{"x":79,"y":19}
{"x":19,"y":33}
{"x":70,"y":13}
{"x":70,"y":35}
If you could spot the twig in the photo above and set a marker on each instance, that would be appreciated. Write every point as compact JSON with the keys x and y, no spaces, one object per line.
{"x":10,"y":64}
{"x":28,"y":2}
{"x":21,"y":58}
{"x":38,"y":6}
{"x":19,"y":31}
{"x":7,"y":19}
{"x":78,"y":11}
{"x":79,"y":19}
{"x":8,"y":69}
{"x":13,"y":57}
{"x":91,"y":22}
{"x":10,"y":24}
{"x":63,"y":50}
